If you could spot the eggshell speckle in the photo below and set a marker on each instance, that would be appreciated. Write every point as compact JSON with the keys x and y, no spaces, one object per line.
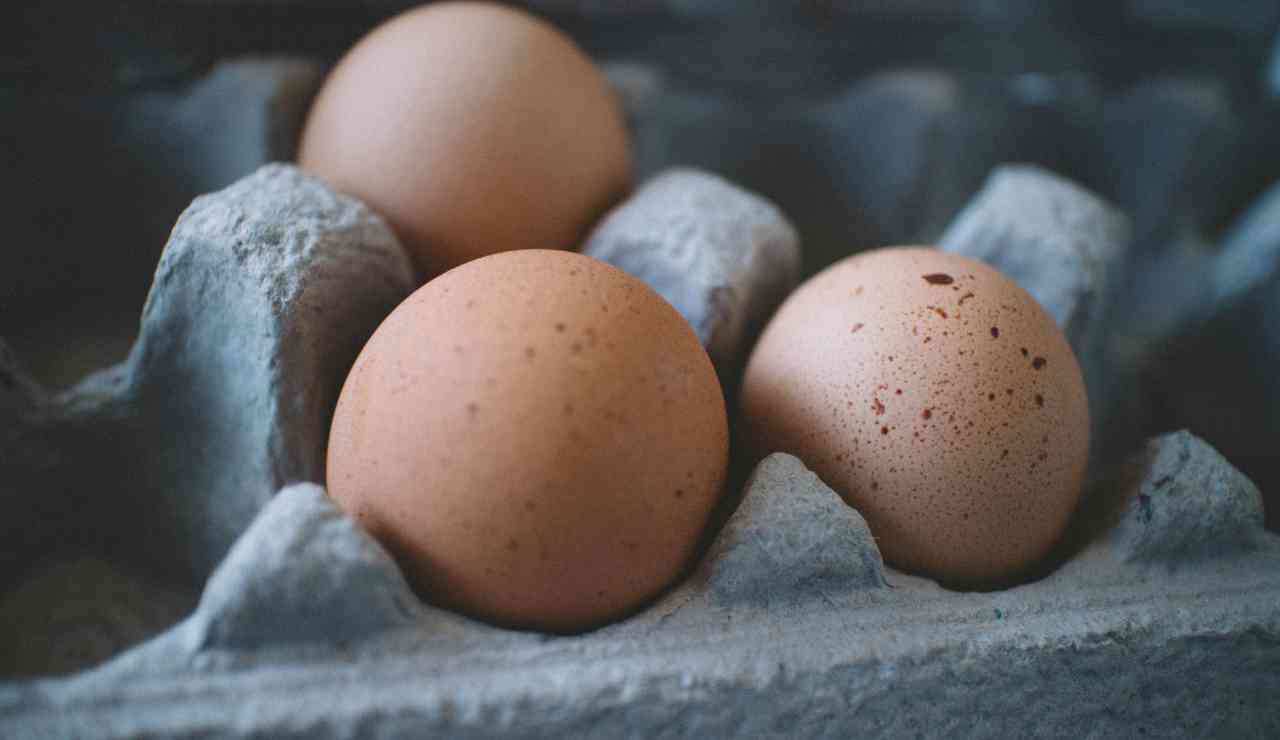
{"x":938,"y":398}
{"x":472,"y":128}
{"x":537,"y":436}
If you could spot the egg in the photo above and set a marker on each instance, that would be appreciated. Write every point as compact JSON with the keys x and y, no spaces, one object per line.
{"x":938,"y":398}
{"x":537,"y":436}
{"x":473,"y":129}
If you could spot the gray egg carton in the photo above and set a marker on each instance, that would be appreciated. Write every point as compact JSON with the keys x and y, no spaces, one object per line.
{"x":223,"y":594}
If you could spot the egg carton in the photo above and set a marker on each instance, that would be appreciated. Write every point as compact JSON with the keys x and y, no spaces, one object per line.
{"x":228,"y":597}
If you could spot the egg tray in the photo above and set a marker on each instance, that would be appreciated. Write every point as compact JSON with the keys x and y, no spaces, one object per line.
{"x":177,"y":472}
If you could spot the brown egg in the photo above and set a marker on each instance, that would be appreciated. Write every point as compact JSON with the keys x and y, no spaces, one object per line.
{"x":473,"y":129}
{"x":537,"y":436}
{"x":938,"y":398}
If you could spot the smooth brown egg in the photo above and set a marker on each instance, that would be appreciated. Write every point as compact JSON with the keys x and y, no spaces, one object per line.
{"x":938,"y":398}
{"x":537,"y":436}
{"x":473,"y":129}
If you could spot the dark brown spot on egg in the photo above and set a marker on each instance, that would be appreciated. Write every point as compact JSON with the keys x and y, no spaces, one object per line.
{"x":473,"y":408}
{"x":877,"y":406}
{"x":926,"y":414}
{"x":1039,"y":363}
{"x":857,"y":328}
{"x":560,"y":327}
{"x":679,"y":493}
{"x":995,"y":332}
{"x":1040,"y":400}
{"x":884,"y":430}
{"x":530,"y":352}
{"x":938,"y":311}
{"x":512,"y":545}
{"x":938,"y":278}
{"x":964,"y":298}
{"x":1025,"y":352}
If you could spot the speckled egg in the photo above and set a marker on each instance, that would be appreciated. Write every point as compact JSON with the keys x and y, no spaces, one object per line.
{"x":938,"y":398}
{"x":537,"y":436}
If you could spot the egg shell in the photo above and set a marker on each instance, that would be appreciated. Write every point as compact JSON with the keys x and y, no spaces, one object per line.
{"x":537,"y":436}
{"x":938,"y":398}
{"x":473,"y":128}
